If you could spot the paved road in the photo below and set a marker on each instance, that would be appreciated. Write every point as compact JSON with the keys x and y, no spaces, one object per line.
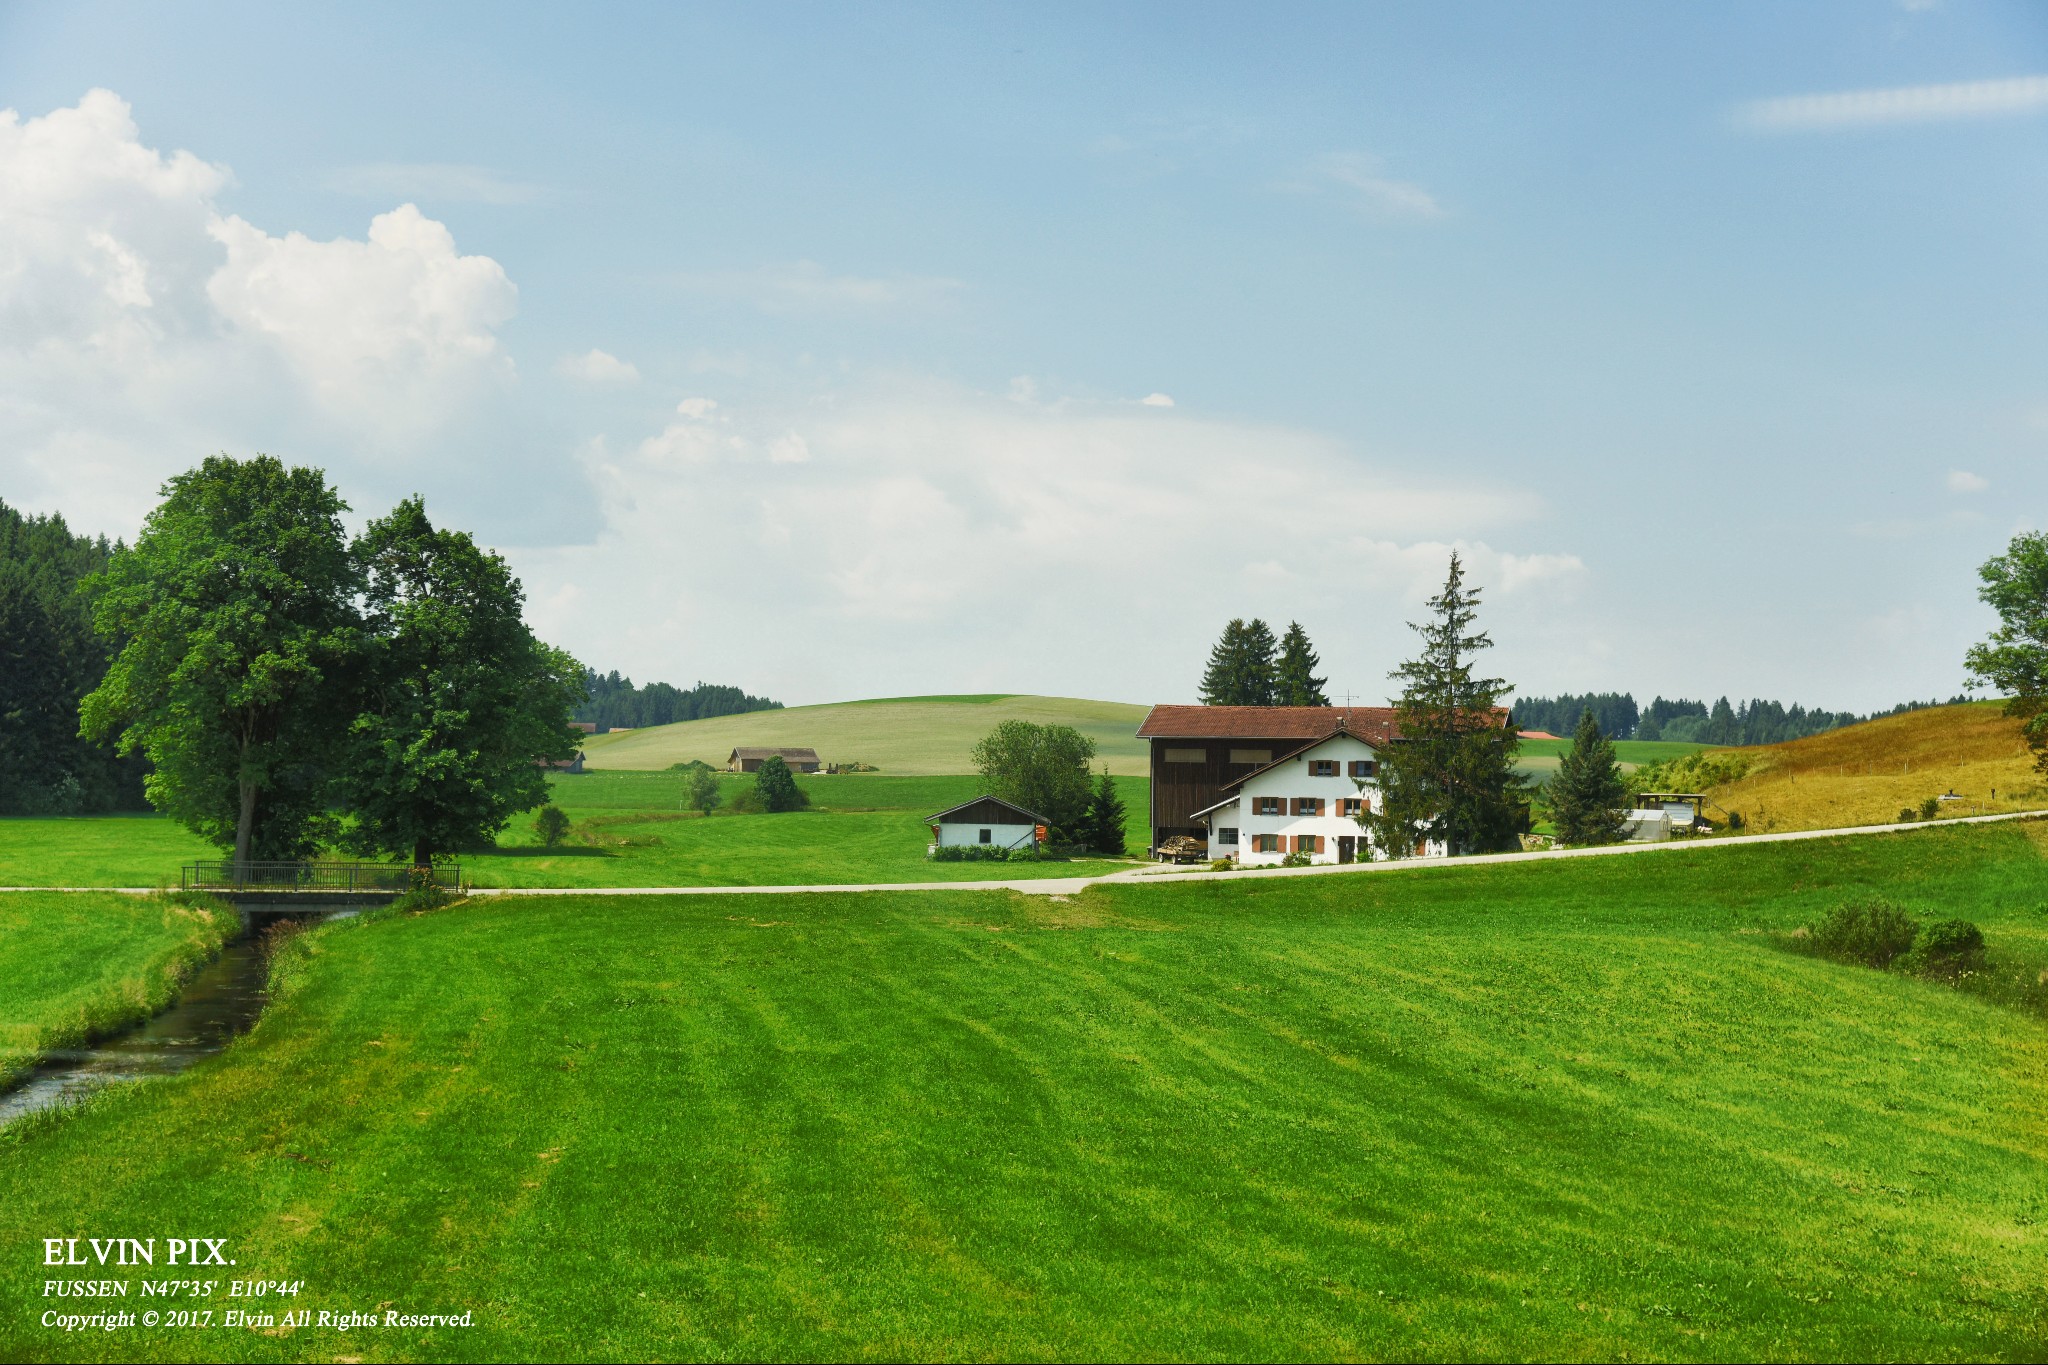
{"x":1068,"y":886}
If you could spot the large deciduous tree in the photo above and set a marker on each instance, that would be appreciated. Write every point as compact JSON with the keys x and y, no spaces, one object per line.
{"x":1450,"y":775}
{"x":234,"y":609}
{"x":776,"y":786}
{"x":1043,"y":768}
{"x":460,"y":705}
{"x":1588,"y":796}
{"x":2014,"y":660}
{"x":1294,"y":679}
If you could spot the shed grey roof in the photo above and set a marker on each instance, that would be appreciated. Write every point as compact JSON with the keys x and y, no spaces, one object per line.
{"x":1032,"y":817}
{"x":786,"y":755}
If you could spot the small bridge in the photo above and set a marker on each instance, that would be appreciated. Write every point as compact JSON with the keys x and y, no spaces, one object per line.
{"x":283,"y":886}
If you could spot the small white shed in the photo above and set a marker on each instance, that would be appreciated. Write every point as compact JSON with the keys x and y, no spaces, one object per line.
{"x":987,"y":820}
{"x":1647,"y":826}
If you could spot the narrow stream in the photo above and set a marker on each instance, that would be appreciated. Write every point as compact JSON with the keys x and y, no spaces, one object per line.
{"x":219,"y":1004}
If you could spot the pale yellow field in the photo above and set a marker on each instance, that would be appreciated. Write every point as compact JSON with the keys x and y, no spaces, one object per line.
{"x":1864,"y":774}
{"x":910,"y":736}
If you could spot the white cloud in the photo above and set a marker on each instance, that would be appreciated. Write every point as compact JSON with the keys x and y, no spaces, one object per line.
{"x":806,"y":286}
{"x":1357,"y":176}
{"x":1963,"y":481}
{"x":597,"y":367}
{"x":907,"y":533}
{"x":1156,"y":400}
{"x":433,"y":180}
{"x":697,"y":407}
{"x":1904,"y":104}
{"x":142,"y":326}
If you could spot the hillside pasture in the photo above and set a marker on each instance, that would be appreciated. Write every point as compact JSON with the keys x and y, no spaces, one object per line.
{"x":1585,"y":1109}
{"x":1538,"y":758}
{"x":1865,"y":774}
{"x":905,"y":736}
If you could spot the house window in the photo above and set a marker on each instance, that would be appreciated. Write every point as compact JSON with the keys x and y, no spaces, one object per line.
{"x":1363,"y":767}
{"x":1308,"y":805}
{"x":1351,"y":805}
{"x":1308,"y":843}
{"x":1187,"y":755}
{"x":1322,"y":767}
{"x":1257,"y":757}
{"x":1226,"y":836}
{"x":1266,"y":805}
{"x":1265,"y":843}
{"x":988,"y":836}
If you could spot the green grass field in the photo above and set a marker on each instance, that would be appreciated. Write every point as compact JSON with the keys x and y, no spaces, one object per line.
{"x":906,"y":736}
{"x":1587,"y":1108}
{"x":630,"y":831}
{"x":74,"y":967}
{"x":1539,"y":757}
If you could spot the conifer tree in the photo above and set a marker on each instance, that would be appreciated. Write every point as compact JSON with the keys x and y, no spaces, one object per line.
{"x":1450,"y":775}
{"x":1587,"y":796}
{"x":1295,"y":683}
{"x":1222,"y":680}
{"x":1261,"y":686}
{"x":1103,"y":825}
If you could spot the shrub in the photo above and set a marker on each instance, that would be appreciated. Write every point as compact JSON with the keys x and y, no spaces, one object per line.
{"x":700,"y":790}
{"x":1735,"y":820}
{"x":1297,"y":859}
{"x":1930,"y":808}
{"x":777,"y":787}
{"x":975,"y":853}
{"x":1222,"y":864}
{"x":1908,"y":814}
{"x":1948,"y":947}
{"x":551,"y":824}
{"x":1872,"y":931}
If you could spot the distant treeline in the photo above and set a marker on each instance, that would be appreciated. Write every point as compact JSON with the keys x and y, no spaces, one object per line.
{"x":49,"y":658}
{"x":1695,"y":722}
{"x":616,"y":704}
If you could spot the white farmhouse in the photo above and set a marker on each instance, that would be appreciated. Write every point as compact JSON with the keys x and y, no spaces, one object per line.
{"x":1305,"y":801}
{"x":987,"y":820}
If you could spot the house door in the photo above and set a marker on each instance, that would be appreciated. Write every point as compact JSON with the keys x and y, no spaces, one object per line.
{"x":1347,"y":848}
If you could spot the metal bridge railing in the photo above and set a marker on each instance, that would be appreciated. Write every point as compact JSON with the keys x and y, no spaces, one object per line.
{"x":254,"y":876}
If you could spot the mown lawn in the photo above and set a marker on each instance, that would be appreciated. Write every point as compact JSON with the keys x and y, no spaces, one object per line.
{"x":75,"y":966}
{"x":1584,"y":1108}
{"x":630,"y":830}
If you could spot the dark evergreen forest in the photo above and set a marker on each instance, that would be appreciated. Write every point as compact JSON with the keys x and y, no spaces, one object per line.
{"x":1751,"y":722}
{"x":49,"y":658}
{"x":616,"y":704}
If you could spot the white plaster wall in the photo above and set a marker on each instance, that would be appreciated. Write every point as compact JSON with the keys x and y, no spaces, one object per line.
{"x":1000,"y":836}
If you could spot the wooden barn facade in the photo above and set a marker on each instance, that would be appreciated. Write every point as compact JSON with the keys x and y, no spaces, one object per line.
{"x":750,"y":760}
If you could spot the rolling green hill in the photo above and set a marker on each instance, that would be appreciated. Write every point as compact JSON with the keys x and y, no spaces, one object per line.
{"x":906,"y":736}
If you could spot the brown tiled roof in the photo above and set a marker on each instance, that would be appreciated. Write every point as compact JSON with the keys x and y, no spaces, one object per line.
{"x":798,"y":755}
{"x":1373,"y":724}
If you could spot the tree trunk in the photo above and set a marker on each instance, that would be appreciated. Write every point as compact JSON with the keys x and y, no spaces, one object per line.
{"x":422,"y":856}
{"x":245,"y":823}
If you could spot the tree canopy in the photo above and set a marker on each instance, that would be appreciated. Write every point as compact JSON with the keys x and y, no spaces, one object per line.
{"x":458,"y":702}
{"x":1294,"y":680}
{"x":2014,"y":658}
{"x":614,"y":703}
{"x":776,"y":786}
{"x":1450,"y":776}
{"x":1102,"y":826}
{"x":234,"y":609}
{"x":1243,"y":670}
{"x":1588,"y":796}
{"x":50,"y":658}
{"x":1043,"y":768}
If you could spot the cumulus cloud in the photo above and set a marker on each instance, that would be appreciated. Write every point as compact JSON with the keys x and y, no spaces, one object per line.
{"x":913,"y":531}
{"x":143,"y":326}
{"x":1963,"y":481}
{"x":806,"y":286}
{"x":1902,"y":104}
{"x":447,"y":182}
{"x":597,"y":367}
{"x":1156,"y":400}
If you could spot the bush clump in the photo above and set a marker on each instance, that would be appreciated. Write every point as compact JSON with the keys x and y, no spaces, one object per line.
{"x":552,"y":825}
{"x":1930,"y":808}
{"x":977,"y":853}
{"x":1873,"y":932}
{"x":1948,"y":947}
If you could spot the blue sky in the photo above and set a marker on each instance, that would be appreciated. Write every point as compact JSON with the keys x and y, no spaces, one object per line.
{"x":860,"y":350}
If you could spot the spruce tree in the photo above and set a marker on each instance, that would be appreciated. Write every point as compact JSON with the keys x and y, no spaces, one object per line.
{"x":1450,"y":775}
{"x":1261,"y":686}
{"x":1103,"y":826}
{"x":1295,"y":680}
{"x":1587,"y":796}
{"x":1222,"y":680}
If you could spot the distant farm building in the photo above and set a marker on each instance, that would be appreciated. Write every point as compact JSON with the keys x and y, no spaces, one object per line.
{"x":563,"y":765}
{"x":987,"y":820}
{"x":750,"y":760}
